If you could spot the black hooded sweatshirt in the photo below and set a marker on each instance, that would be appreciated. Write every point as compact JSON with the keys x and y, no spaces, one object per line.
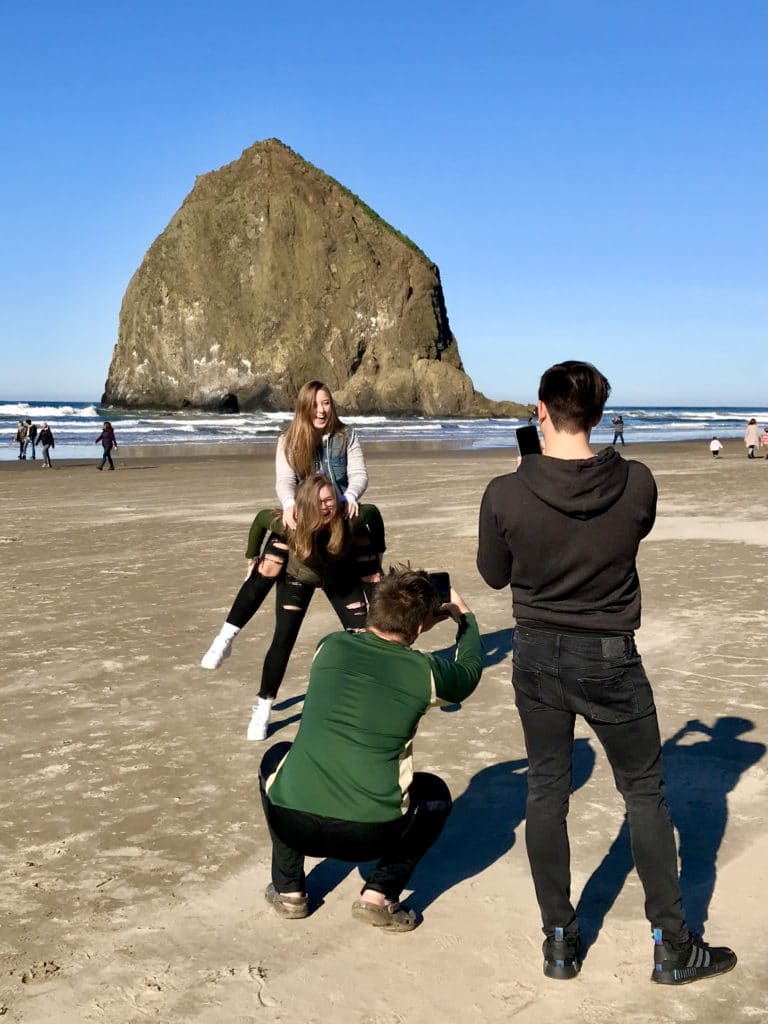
{"x":564,"y":534}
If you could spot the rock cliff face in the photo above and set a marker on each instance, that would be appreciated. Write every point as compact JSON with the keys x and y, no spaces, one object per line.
{"x":271,"y":274}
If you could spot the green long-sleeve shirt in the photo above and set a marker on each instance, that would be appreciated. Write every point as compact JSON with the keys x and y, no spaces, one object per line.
{"x":352,"y":757}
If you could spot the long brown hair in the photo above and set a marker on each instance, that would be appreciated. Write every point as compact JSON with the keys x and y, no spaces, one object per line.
{"x":300,"y":443}
{"x":310,"y":524}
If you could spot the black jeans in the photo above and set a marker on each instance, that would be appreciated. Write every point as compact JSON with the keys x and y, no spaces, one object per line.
{"x":556,"y":677}
{"x":292,"y":600}
{"x":107,"y":457}
{"x":399,"y":845}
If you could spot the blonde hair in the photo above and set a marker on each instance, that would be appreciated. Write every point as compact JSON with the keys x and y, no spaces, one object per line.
{"x":310,"y":523}
{"x":300,"y":443}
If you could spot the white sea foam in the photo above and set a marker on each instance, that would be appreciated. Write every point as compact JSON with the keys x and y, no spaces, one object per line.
{"x":22,"y":410}
{"x":76,"y":425}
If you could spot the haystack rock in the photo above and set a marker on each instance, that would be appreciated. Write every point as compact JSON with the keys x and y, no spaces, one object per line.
{"x":271,"y":274}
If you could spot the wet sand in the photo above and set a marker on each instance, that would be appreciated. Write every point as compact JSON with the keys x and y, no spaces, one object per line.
{"x":134,"y":852}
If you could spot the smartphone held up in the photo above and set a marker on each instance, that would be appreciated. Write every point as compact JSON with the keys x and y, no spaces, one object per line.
{"x":441,"y":581}
{"x":528,"y":440}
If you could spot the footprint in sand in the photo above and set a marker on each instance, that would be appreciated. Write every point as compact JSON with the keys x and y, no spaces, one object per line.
{"x":252,"y":973}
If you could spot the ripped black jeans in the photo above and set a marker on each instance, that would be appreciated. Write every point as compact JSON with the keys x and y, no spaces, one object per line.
{"x":292,"y":598}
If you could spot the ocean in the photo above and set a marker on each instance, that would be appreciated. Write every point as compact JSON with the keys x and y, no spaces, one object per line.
{"x":75,"y":426}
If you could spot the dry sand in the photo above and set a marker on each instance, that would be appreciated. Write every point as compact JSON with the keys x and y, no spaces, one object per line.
{"x":134,"y":851}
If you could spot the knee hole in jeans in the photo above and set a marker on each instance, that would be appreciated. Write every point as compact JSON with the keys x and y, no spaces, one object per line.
{"x":270,"y":566}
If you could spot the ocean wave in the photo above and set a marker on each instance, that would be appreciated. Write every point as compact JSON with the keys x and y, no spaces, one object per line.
{"x":687,"y":416}
{"x":22,"y":410}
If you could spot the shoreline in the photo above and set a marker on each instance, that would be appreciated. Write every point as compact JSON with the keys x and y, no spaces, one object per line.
{"x":265,"y":452}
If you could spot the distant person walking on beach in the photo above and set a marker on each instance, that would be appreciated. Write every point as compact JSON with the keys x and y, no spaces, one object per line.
{"x":47,"y":442}
{"x":752,"y":438}
{"x":577,"y":606}
{"x":618,"y":429}
{"x":715,"y":446}
{"x":31,"y":438}
{"x":108,"y":441}
{"x":21,"y":438}
{"x":325,"y":550}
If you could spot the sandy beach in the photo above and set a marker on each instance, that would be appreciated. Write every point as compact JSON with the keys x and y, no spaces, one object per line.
{"x":134,"y":851}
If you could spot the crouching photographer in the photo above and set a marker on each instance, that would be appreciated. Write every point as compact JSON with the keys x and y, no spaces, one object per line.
{"x":346,"y":788}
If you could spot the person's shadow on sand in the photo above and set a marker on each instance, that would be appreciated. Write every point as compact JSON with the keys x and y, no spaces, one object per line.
{"x":480,"y":829}
{"x":699,"y":777}
{"x":482,"y":826}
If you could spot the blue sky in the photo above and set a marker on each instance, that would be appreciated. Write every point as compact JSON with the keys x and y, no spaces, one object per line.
{"x":591,"y":176}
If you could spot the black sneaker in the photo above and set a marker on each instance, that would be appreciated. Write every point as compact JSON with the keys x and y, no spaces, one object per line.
{"x":562,"y":955}
{"x":696,"y":960}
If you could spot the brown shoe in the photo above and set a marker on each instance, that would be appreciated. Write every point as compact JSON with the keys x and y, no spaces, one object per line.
{"x":394,"y":917}
{"x":288,"y":906}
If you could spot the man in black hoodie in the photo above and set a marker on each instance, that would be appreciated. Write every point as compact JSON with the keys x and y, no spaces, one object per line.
{"x":563,"y":532}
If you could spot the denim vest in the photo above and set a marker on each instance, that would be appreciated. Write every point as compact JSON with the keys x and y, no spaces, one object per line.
{"x":331,"y":460}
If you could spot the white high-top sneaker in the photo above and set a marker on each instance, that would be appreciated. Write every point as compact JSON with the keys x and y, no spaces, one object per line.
{"x":221,"y":647}
{"x":257,"y":727}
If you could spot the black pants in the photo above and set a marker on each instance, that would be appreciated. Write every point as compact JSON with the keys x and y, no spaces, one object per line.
{"x":399,"y":845}
{"x":556,"y":677}
{"x":107,"y":457}
{"x":292,"y":600}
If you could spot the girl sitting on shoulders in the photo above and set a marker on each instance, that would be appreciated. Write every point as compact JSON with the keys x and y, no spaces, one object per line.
{"x":316,"y":441}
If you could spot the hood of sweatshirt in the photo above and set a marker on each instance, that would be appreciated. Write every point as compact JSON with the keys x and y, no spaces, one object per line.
{"x":581,"y":488}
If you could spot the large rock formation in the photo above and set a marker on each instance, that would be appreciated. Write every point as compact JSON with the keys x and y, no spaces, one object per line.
{"x":270,"y":274}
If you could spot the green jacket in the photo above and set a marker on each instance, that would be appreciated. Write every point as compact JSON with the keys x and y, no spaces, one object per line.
{"x":352,"y":757}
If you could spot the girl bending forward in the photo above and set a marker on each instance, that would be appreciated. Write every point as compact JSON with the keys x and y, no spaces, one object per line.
{"x":324,"y":550}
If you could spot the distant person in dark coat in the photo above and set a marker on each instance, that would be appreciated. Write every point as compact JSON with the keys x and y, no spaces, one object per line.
{"x":618,"y":429}
{"x":108,"y":442}
{"x":45,"y":437}
{"x":31,"y":438}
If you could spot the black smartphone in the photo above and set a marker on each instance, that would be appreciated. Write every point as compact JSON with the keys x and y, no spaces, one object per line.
{"x":441,"y":581}
{"x":528,"y":440}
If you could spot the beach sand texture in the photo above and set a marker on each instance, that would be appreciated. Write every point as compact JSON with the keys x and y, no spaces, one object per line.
{"x":134,"y":851}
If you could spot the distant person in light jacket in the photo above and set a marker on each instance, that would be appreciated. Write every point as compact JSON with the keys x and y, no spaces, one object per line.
{"x":21,"y":438}
{"x":752,"y":438}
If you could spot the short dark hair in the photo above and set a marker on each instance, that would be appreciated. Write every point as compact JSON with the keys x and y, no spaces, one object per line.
{"x":402,"y":602}
{"x":575,"y":394}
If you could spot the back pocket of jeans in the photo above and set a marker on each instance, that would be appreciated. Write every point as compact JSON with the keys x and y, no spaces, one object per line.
{"x":620,"y":697}
{"x":527,"y":684}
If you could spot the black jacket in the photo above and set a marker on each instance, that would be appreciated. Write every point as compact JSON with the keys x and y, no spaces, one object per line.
{"x":565,"y":534}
